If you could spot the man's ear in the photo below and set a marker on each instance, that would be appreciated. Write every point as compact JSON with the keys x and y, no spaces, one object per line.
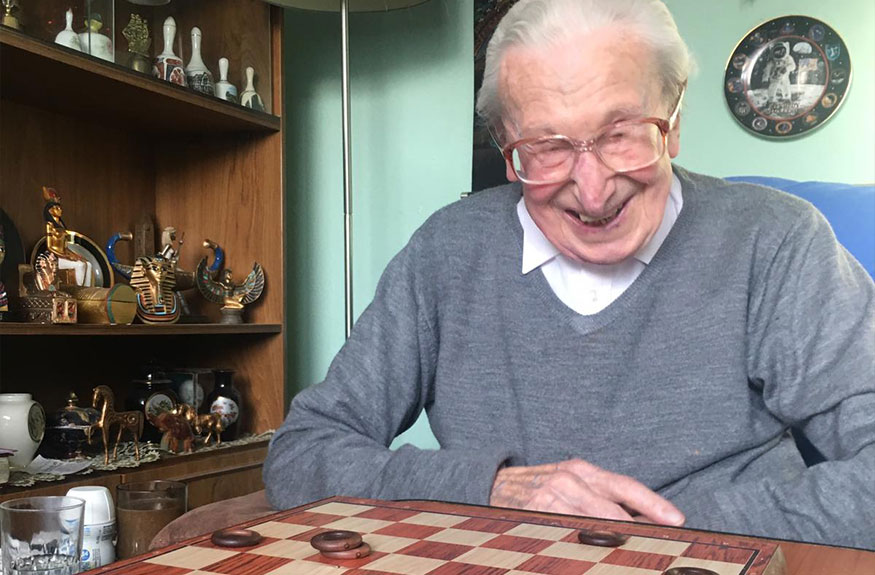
{"x":674,"y":138}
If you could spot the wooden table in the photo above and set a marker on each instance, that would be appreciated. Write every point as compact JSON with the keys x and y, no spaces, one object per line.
{"x":433,"y":538}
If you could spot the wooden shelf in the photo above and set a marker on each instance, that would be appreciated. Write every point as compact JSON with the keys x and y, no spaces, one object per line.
{"x":49,"y":76}
{"x":226,"y":472}
{"x":31,"y":329}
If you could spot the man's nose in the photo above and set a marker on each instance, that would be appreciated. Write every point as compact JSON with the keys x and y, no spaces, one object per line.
{"x":590,"y":177}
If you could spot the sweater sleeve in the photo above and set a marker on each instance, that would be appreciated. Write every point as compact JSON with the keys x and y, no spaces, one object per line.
{"x":335,"y":439}
{"x":812,"y":354}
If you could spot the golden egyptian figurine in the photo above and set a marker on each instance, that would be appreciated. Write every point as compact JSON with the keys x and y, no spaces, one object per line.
{"x":57,"y":241}
{"x":224,"y":291}
{"x":154,"y":280}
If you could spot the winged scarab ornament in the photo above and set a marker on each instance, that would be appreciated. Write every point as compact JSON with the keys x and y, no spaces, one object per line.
{"x":221,"y":289}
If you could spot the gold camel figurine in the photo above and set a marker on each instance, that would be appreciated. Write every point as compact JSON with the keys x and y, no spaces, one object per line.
{"x":131,"y":420}
{"x":211,"y":423}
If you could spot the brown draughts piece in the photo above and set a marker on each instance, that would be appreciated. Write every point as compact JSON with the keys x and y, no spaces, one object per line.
{"x":689,"y":571}
{"x":236,"y":538}
{"x":336,"y":541}
{"x":359,"y":552}
{"x":603,"y":539}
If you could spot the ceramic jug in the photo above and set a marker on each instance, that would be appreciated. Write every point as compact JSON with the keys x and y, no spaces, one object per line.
{"x":22,"y":424}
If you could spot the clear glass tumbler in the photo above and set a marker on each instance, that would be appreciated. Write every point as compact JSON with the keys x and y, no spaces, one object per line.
{"x":41,"y":535}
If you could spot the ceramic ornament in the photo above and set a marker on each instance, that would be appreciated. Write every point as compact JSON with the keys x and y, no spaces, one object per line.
{"x":198,"y":76}
{"x":168,"y":66}
{"x":250,"y":98}
{"x":95,"y":43}
{"x":225,"y":89}
{"x":67,"y":37}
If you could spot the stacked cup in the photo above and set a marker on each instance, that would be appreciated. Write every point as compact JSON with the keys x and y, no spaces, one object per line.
{"x":99,"y":531}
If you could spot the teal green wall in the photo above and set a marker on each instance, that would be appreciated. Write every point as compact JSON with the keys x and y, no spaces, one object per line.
{"x":411,"y":81}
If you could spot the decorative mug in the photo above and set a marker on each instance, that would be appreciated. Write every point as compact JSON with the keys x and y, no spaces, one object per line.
{"x":22,"y":425}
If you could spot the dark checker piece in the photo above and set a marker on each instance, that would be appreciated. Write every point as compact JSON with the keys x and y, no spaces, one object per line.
{"x":236,"y":538}
{"x":689,"y":571}
{"x":362,"y":550}
{"x":332,"y":541}
{"x":601,"y":538}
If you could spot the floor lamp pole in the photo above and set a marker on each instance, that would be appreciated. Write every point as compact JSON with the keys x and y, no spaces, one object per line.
{"x":347,"y":168}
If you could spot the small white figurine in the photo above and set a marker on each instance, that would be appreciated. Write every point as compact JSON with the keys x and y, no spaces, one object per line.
{"x":225,"y":89}
{"x":199,"y":77}
{"x":168,"y":66}
{"x":67,"y":37}
{"x":250,"y":98}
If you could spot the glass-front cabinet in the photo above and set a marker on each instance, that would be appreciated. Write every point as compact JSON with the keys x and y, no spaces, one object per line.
{"x":192,"y":43}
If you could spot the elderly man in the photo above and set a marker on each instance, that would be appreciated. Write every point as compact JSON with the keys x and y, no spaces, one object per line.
{"x":609,"y":334}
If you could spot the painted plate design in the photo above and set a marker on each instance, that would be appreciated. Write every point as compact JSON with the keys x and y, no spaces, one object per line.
{"x":787,"y":76}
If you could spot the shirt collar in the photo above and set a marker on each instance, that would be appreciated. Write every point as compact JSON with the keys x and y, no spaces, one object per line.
{"x":537,"y":249}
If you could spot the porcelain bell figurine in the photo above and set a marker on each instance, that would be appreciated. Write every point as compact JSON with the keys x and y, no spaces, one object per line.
{"x":198,"y":76}
{"x":168,"y":66}
{"x":93,"y":42}
{"x":67,"y":37}
{"x":225,"y":90}
{"x":250,"y":98}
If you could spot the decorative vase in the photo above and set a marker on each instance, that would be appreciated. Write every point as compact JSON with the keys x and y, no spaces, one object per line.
{"x":225,"y":400}
{"x":93,"y":42}
{"x":225,"y":90}
{"x":168,"y":66}
{"x":151,"y":395}
{"x":198,"y":76}
{"x":250,"y":98}
{"x":67,"y":37}
{"x":22,"y":425}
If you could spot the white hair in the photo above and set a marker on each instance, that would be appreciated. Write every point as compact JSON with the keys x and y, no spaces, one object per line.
{"x":537,"y":23}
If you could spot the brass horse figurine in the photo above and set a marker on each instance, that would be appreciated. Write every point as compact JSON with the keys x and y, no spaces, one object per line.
{"x":131,"y":420}
{"x":211,"y":423}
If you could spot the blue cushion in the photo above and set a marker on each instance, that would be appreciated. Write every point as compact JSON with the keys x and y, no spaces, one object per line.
{"x":849,"y":209}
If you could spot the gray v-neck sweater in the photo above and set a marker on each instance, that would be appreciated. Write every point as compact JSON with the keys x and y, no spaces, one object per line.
{"x":750,"y":319}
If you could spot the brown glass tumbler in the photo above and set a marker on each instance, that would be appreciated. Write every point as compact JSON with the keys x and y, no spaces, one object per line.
{"x":143,"y":509}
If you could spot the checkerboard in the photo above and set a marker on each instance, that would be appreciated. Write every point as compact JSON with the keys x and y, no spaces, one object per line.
{"x":431,"y":538}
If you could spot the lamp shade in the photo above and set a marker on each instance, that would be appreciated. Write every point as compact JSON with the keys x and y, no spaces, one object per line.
{"x":354,"y":5}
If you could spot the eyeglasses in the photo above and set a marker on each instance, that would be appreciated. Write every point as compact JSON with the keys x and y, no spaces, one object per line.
{"x":622,"y":147}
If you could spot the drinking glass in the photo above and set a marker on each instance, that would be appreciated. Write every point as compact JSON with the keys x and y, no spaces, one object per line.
{"x":41,"y":535}
{"x":142,"y":509}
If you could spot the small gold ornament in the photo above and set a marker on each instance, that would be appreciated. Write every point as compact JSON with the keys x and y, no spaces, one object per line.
{"x":130,"y":420}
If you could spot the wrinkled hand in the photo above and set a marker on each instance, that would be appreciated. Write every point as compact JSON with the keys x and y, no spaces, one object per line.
{"x":575,"y":487}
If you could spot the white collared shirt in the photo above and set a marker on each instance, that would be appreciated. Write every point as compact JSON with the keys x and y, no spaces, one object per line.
{"x":585,"y":287}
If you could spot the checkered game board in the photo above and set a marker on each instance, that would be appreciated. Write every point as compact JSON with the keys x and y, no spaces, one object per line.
{"x":430,"y":538}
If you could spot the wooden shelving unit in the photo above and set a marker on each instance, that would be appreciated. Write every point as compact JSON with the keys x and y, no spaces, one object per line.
{"x":85,"y":330}
{"x":139,"y":101}
{"x":118,"y":145}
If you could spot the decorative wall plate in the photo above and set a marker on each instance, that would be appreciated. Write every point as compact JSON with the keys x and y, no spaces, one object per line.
{"x":85,"y":247}
{"x":787,"y":76}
